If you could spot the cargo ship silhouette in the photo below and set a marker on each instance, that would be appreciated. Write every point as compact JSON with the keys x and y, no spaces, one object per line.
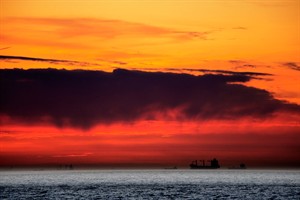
{"x":214,"y":164}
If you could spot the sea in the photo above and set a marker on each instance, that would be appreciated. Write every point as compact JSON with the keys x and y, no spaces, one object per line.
{"x":150,"y":184}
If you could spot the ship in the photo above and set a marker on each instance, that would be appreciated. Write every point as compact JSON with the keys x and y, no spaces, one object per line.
{"x":214,"y":164}
{"x":242,"y":166}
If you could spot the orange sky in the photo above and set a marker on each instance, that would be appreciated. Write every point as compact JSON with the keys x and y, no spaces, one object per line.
{"x":239,"y":36}
{"x":155,"y":144}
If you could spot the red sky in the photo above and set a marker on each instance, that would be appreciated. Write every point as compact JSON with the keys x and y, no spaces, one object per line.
{"x":213,"y":79}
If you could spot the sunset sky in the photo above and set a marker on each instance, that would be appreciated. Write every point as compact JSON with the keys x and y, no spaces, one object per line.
{"x":150,"y":83}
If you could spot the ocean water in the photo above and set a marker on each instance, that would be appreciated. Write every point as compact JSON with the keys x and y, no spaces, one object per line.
{"x":150,"y":184}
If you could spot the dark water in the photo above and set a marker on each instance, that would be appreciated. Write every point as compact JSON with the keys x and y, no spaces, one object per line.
{"x":150,"y":184}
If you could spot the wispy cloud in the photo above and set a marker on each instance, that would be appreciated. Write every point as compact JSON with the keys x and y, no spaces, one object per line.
{"x":230,"y":72}
{"x":292,"y":65}
{"x":209,"y":71}
{"x":239,"y":28}
{"x":51,"y":61}
{"x":240,"y":64}
{"x":73,"y":155}
{"x":106,"y":28}
{"x":4,"y":48}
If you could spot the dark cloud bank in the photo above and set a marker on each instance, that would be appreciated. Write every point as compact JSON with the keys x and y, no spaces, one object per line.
{"x":83,"y":99}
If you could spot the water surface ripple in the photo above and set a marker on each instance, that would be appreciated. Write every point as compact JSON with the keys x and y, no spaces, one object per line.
{"x":150,"y":184}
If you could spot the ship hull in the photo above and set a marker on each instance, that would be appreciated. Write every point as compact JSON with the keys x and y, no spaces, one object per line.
{"x":202,"y":167}
{"x":214,"y":164}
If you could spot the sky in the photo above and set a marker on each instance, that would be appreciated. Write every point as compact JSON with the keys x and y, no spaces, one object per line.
{"x":150,"y":83}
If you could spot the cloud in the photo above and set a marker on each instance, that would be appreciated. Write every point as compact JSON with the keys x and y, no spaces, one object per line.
{"x":104,"y":28}
{"x":84,"y":99}
{"x":4,"y":48}
{"x":236,"y":61}
{"x":239,"y":28}
{"x":224,"y":72}
{"x":51,"y":61}
{"x":72,"y":155}
{"x":113,"y":61}
{"x":193,"y":71}
{"x":241,"y":64}
{"x":292,"y":65}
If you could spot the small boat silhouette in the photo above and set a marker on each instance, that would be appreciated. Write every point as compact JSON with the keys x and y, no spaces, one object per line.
{"x":214,"y":164}
{"x":175,"y":167}
{"x":242,"y":166}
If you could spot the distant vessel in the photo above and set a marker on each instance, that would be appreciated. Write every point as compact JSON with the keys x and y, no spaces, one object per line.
{"x":242,"y":166}
{"x":214,"y":164}
{"x":175,"y":167}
